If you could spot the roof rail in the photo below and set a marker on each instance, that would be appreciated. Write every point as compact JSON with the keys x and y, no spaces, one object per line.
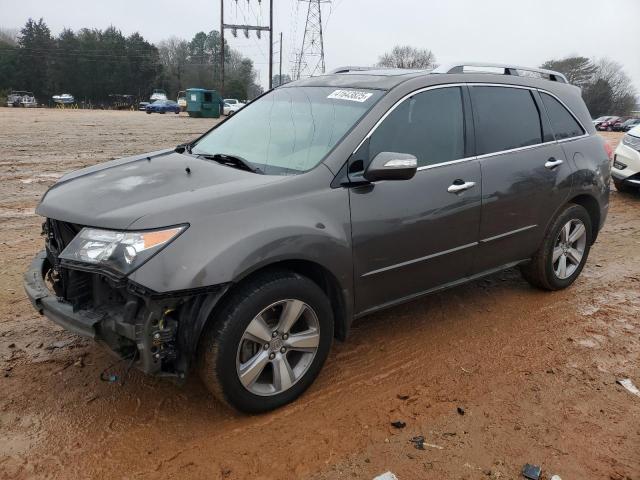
{"x":507,"y":70}
{"x":347,"y":69}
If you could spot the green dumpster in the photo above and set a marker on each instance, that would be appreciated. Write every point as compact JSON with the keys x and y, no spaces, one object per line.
{"x":204,"y":103}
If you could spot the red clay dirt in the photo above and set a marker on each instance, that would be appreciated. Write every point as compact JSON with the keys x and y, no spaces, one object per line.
{"x":535,"y":372}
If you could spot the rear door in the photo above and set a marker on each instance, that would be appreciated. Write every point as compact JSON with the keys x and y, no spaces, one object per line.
{"x":413,"y":235}
{"x":525,"y":174}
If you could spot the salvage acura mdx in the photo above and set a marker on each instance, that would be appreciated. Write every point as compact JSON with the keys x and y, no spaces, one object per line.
{"x":243,"y":253}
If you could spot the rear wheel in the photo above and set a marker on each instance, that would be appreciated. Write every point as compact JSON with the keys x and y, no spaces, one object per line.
{"x":563,"y":252}
{"x":268,"y":343}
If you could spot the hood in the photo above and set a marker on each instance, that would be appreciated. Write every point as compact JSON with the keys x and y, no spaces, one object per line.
{"x":635,"y":131}
{"x":154,"y":186}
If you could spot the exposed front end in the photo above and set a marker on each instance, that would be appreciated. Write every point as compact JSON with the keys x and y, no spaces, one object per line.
{"x":154,"y":331}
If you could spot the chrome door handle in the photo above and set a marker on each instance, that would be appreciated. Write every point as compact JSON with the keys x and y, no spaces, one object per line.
{"x":552,"y":163}
{"x":460,"y":187}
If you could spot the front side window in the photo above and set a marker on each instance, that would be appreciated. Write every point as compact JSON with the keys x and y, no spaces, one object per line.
{"x":291,"y":129}
{"x":428,"y":125}
{"x":562,"y":122}
{"x":506,"y":118}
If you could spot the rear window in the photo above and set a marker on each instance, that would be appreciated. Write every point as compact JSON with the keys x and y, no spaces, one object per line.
{"x":506,"y":118}
{"x":562,"y":122}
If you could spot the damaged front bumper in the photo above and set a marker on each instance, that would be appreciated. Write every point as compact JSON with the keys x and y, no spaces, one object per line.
{"x":159,"y":332}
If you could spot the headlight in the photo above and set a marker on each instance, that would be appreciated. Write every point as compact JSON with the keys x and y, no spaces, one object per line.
{"x":122,"y":252}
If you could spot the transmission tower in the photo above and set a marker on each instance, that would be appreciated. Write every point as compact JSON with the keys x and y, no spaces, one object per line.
{"x":310,"y":59}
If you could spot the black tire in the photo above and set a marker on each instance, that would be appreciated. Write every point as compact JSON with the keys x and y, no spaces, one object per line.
{"x":539,"y":272}
{"x":621,"y":187}
{"x":219,"y":343}
{"x":149,"y":112}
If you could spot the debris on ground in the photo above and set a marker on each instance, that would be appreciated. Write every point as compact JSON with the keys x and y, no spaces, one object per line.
{"x":398,"y":424}
{"x":532,"y":472}
{"x":629,"y":386}
{"x":555,"y":477}
{"x":460,"y":410}
{"x":402,"y":397}
{"x":60,"y":344}
{"x":419,"y":443}
{"x":386,"y":476}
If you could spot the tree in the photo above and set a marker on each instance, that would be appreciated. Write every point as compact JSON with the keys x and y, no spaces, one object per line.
{"x":578,"y":70}
{"x":35,"y":43}
{"x":407,"y":57}
{"x":8,"y":61}
{"x":277,"y":81}
{"x":606,"y":88}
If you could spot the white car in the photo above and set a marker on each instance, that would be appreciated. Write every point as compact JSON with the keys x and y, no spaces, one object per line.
{"x":231,"y":106}
{"x":625,"y":170}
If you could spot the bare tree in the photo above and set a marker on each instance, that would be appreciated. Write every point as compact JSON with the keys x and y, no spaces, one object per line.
{"x":578,"y":70}
{"x":9,"y":36}
{"x":407,"y":57}
{"x":623,"y":94}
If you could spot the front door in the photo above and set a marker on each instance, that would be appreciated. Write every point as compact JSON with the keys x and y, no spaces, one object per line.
{"x":413,"y":235}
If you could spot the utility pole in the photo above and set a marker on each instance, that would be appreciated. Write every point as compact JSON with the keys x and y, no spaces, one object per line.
{"x":280,"y":67}
{"x":310,"y":59}
{"x":246,"y":28}
{"x":271,"y":44}
{"x":221,"y":47}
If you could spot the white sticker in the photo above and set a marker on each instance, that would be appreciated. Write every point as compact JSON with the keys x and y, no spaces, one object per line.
{"x":352,"y":95}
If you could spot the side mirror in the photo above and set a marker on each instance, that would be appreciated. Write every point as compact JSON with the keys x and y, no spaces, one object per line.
{"x":391,"y":166}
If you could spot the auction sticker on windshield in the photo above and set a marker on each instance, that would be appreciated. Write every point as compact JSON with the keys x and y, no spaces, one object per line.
{"x":352,"y":95}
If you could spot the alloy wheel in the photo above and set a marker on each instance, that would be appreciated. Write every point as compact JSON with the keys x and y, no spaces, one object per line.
{"x":277,"y":347}
{"x":569,"y":248}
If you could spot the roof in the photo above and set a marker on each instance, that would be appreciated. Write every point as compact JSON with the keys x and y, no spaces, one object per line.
{"x":388,"y":78}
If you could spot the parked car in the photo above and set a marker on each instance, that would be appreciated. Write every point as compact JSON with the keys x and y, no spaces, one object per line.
{"x":163,"y":106}
{"x":626,"y":125}
{"x":231,"y":108}
{"x":158,"y":94}
{"x":625,"y":170}
{"x":142,"y":106}
{"x":63,"y":99}
{"x":19,"y":98}
{"x":607,"y":125}
{"x":182,"y":100}
{"x":243,"y":253}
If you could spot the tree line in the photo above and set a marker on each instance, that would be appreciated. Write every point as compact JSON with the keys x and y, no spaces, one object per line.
{"x":91,"y":64}
{"x":606,"y":88}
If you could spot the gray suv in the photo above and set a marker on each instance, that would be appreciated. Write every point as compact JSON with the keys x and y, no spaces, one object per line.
{"x":243,"y":253}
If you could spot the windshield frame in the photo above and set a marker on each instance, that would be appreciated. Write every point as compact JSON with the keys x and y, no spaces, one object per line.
{"x":339,"y":141}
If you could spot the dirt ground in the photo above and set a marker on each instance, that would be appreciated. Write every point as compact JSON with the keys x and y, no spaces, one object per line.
{"x":535,"y":373}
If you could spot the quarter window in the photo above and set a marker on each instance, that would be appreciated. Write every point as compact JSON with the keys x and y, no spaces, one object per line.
{"x":562,"y":122}
{"x":506,"y":118}
{"x":429,"y":125}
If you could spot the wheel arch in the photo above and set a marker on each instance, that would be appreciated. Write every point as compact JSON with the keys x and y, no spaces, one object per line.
{"x":591,"y":205}
{"x":338,"y":295}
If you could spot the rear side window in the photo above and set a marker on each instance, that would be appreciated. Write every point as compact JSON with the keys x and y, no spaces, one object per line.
{"x":506,"y":118}
{"x":562,"y":122}
{"x":429,"y":125}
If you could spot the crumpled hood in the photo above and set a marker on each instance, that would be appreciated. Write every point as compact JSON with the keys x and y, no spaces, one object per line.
{"x":151,"y":190}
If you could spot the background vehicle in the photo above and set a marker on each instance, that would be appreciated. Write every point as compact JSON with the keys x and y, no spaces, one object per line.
{"x":118,"y":101}
{"x":142,"y":106}
{"x":607,"y":125}
{"x":230,"y":109}
{"x":64,"y":99}
{"x":158,"y":94}
{"x":182,"y":100}
{"x":19,"y":98}
{"x":328,"y":199}
{"x":625,"y":170}
{"x":626,"y":125}
{"x":163,"y":106}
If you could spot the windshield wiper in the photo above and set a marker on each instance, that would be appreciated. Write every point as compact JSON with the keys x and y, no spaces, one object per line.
{"x":231,"y":160}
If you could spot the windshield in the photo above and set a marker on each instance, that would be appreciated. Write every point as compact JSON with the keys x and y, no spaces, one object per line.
{"x":291,"y":129}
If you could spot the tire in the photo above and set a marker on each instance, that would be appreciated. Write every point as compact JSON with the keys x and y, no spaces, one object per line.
{"x":609,"y":129}
{"x":621,"y":187}
{"x":545,"y":273}
{"x":149,"y":112}
{"x":223,"y":345}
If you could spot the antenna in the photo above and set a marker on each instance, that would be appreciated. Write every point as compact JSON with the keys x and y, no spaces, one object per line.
{"x":310,"y":59}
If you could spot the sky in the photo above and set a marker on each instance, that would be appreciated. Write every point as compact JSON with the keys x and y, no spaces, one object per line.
{"x":520,"y":32}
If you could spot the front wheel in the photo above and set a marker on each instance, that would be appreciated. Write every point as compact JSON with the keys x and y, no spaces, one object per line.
{"x":268,"y":343}
{"x":621,"y":186}
{"x":563,"y":252}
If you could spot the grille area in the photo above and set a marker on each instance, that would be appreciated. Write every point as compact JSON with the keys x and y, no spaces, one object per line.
{"x":631,"y":141}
